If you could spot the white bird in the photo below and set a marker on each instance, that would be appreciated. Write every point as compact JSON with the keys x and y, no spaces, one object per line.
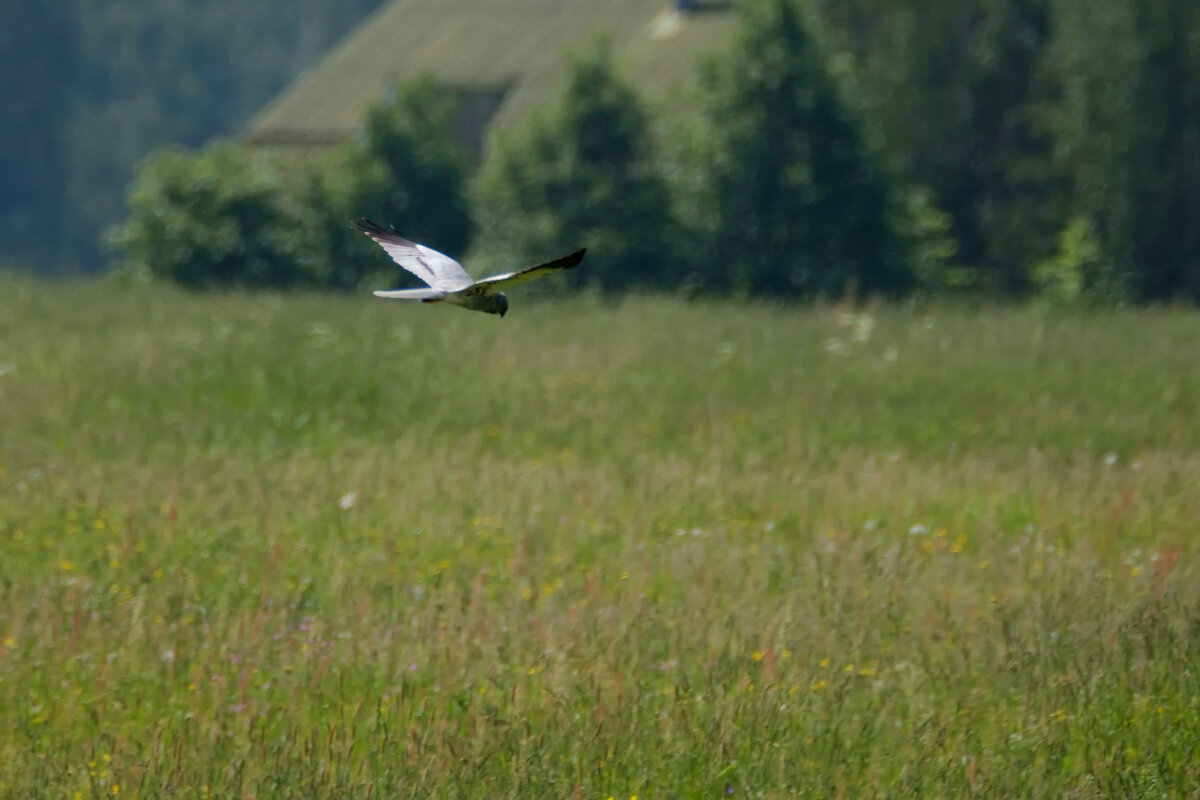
{"x":447,"y":279}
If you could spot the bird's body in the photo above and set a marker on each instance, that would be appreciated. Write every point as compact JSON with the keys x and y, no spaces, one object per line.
{"x":448,"y":281}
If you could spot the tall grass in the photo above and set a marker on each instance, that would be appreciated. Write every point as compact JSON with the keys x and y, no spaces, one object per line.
{"x":256,"y":546}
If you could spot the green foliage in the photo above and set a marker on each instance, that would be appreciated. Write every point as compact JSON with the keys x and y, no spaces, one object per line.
{"x":35,"y":121}
{"x":1130,"y":130}
{"x":91,"y":87}
{"x":931,"y":247}
{"x":582,"y":173}
{"x":404,"y":170}
{"x":315,"y":546}
{"x":225,"y":216}
{"x":956,"y":94}
{"x":1077,"y":268}
{"x":791,"y":202}
{"x":207,"y":219}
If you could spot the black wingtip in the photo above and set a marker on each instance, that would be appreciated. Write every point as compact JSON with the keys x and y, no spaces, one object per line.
{"x":368,"y":227}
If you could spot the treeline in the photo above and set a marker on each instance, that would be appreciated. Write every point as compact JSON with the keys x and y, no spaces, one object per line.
{"x":1006,"y":147}
{"x":90,"y":87}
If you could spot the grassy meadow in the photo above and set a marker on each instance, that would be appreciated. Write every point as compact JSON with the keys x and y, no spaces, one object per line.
{"x":264,"y":546}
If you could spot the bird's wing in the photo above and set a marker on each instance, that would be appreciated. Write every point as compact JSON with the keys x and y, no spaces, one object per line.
{"x":436,"y":269}
{"x":412,"y":294}
{"x":495,"y":283}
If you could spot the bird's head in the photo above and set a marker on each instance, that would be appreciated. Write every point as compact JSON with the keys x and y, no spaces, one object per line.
{"x":501,"y":304}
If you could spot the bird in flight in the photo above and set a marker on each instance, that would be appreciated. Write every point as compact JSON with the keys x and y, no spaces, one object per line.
{"x":447,"y":280}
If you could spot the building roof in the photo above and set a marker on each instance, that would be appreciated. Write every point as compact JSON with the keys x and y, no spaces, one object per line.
{"x":510,"y":50}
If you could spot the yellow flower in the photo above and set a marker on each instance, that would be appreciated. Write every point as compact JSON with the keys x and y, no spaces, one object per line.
{"x":819,"y":685}
{"x":785,"y":655}
{"x":116,"y":789}
{"x":624,"y":575}
{"x":824,"y":662}
{"x":10,"y":641}
{"x":66,"y":566}
{"x":758,"y":655}
{"x":1133,"y":573}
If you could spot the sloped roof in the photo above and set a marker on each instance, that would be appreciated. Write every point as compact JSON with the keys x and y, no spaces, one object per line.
{"x":514,"y":47}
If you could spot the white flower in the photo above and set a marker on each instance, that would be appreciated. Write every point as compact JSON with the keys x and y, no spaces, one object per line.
{"x":348,"y":500}
{"x":836,"y":346}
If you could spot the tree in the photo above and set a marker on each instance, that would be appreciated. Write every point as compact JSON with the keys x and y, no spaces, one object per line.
{"x":582,"y":173}
{"x":789,"y":199}
{"x":225,"y":216}
{"x":207,"y":219}
{"x":405,"y":170}
{"x":90,"y":87}
{"x":957,"y":95}
{"x":38,"y":70}
{"x":1130,"y":131}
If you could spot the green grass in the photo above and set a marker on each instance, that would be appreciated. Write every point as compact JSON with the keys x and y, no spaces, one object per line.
{"x":653,"y":548}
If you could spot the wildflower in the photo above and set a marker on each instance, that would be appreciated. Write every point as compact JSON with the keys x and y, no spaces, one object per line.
{"x":347,"y":501}
{"x":758,"y":655}
{"x":819,"y":685}
{"x":918,"y":530}
{"x":836,"y":346}
{"x":10,"y":641}
{"x":824,"y":662}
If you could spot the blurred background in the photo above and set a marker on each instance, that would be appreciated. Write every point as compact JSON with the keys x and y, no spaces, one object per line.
{"x":1006,"y":148}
